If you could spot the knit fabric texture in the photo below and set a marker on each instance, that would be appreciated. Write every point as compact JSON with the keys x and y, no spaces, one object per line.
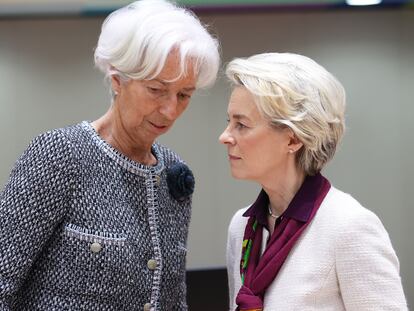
{"x":82,"y":227}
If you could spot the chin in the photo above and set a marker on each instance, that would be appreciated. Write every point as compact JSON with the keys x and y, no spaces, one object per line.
{"x":238,"y":175}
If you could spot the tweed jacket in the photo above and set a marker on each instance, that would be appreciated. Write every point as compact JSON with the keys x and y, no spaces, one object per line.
{"x":344,"y":260}
{"x":82,"y":227}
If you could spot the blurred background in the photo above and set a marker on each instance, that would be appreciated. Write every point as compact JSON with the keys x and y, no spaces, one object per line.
{"x":48,"y":80}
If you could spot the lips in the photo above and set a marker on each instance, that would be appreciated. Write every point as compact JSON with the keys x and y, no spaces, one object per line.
{"x":232,"y":157}
{"x":159,"y":127}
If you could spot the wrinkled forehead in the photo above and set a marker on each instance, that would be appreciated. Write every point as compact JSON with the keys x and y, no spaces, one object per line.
{"x":177,"y":68}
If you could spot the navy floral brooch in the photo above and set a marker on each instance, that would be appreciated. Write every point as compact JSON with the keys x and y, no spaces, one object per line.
{"x":180,"y":181}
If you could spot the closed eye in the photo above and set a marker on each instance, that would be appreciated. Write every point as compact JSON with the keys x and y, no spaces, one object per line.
{"x":184,"y":96}
{"x":154,"y":89}
{"x":157,"y":91}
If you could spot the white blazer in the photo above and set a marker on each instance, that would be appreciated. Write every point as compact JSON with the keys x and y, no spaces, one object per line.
{"x":344,"y":260}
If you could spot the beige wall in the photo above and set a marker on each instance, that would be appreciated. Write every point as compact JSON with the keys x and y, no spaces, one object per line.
{"x":47,"y":80}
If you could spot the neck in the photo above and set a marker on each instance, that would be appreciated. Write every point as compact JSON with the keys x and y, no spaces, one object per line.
{"x":111,"y":129}
{"x":282,"y":188}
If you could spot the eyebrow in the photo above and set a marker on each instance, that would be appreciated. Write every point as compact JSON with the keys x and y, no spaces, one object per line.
{"x":187,"y":89}
{"x":240,"y":116}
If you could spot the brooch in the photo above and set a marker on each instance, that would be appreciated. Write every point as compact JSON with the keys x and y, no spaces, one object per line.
{"x":180,"y":181}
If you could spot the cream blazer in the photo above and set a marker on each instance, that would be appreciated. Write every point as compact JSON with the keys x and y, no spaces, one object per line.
{"x":344,"y":260}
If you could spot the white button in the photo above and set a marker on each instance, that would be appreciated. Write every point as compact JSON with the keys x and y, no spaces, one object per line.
{"x":147,"y":307}
{"x":152,"y":264}
{"x":157,"y":180}
{"x":96,"y":247}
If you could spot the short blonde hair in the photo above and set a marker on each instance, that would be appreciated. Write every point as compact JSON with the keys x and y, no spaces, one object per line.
{"x":294,"y":91}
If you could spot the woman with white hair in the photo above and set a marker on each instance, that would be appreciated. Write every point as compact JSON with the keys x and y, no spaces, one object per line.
{"x":95,"y":216}
{"x":303,"y":244}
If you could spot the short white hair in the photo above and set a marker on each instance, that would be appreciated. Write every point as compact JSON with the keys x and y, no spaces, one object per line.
{"x":136,"y":40}
{"x":294,"y":91}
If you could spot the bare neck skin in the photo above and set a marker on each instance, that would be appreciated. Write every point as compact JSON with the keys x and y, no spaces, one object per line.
{"x":110,"y":128}
{"x":281,"y":191}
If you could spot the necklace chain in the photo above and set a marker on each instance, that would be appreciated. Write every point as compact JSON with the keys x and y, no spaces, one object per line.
{"x":270,"y":212}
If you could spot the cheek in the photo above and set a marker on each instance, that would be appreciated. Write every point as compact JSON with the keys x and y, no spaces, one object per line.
{"x":182,"y":107}
{"x":137,"y":112}
{"x":251,"y":150}
{"x":145,"y":108}
{"x":258,"y":158}
{"x":261,"y":152}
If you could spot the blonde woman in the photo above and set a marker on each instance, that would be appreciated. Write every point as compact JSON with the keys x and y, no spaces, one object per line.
{"x":302,"y":244}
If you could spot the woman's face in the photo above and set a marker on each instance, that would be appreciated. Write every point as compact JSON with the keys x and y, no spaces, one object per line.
{"x":149,"y":108}
{"x":256,"y":150}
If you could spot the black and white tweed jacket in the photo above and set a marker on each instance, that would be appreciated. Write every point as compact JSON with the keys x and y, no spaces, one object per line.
{"x":82,"y":227}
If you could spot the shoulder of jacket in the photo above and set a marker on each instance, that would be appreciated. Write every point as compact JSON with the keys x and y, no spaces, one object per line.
{"x":61,"y":135}
{"x":54,"y":141}
{"x":169,"y":156}
{"x":343,"y":209}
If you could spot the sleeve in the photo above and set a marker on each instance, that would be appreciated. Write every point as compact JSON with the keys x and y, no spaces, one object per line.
{"x":233,"y":253}
{"x":230,"y":269}
{"x":181,"y":302}
{"x":367,"y":266}
{"x":32,"y":203}
{"x":181,"y":299}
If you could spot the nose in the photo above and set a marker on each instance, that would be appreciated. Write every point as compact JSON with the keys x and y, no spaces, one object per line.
{"x":169,"y":108}
{"x":226,"y":137}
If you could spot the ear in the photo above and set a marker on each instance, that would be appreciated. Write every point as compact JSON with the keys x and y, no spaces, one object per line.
{"x":116,"y":84}
{"x":294,"y":144}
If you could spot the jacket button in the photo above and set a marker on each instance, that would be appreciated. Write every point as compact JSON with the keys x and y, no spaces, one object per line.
{"x":95,"y":247}
{"x":152,"y":264}
{"x":147,"y":307}
{"x":157,"y":180}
